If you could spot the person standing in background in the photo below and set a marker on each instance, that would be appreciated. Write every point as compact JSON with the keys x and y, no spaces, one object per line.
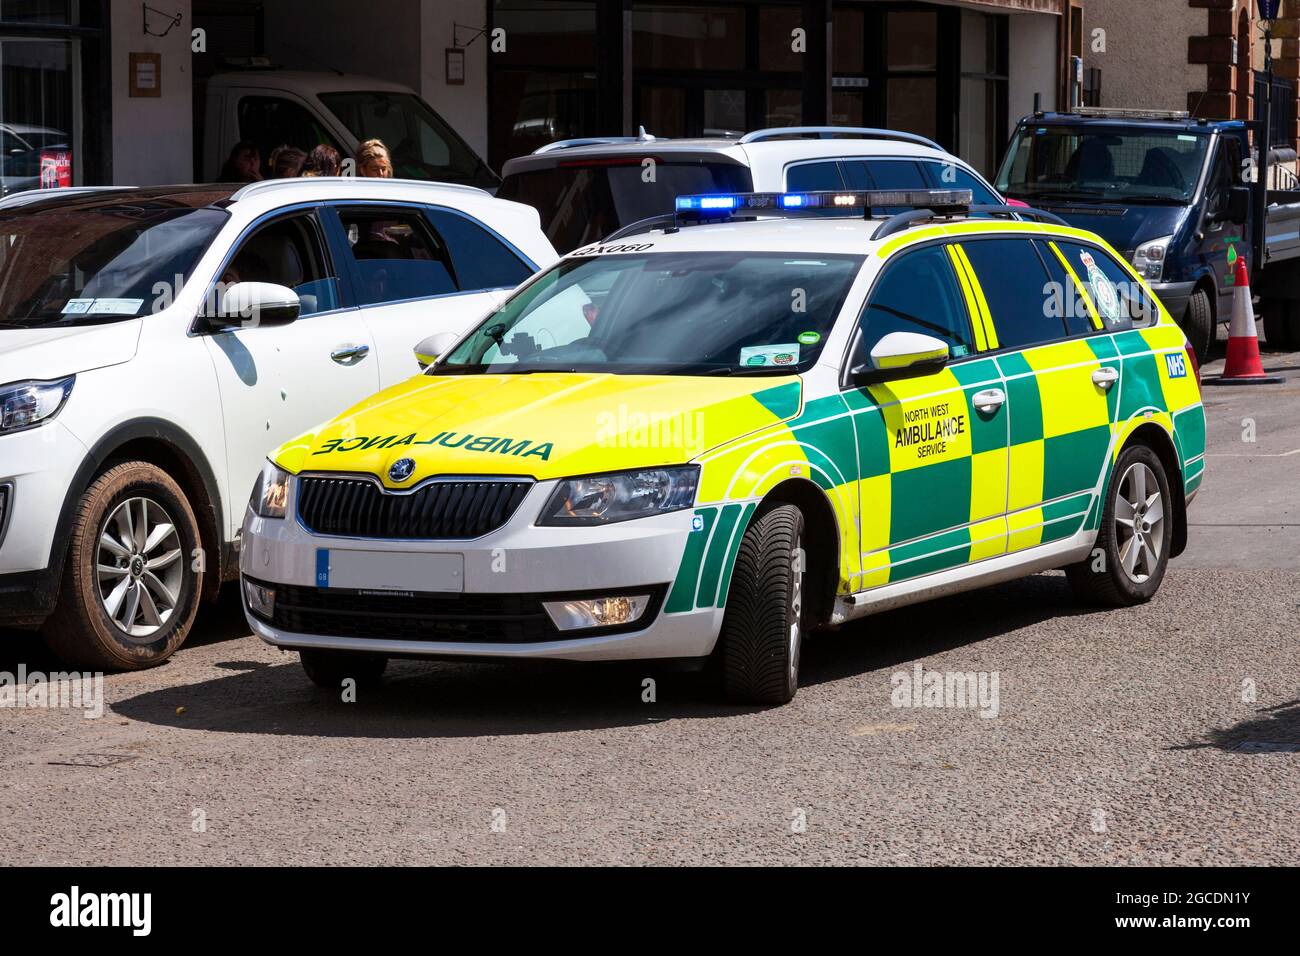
{"x":287,"y":162}
{"x":323,"y":161}
{"x":374,"y":161}
{"x":244,"y":164}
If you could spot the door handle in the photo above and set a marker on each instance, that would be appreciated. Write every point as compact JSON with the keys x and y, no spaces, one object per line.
{"x":350,"y":354}
{"x":989,"y":400}
{"x":1105,"y":377}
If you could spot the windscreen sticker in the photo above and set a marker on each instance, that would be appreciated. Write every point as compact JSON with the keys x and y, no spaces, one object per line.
{"x":809,"y":338}
{"x":78,"y":306}
{"x":117,"y":306}
{"x":1104,"y":292}
{"x":769,"y":356}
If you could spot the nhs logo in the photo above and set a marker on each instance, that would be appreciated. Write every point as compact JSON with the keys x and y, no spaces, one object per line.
{"x":1177,"y":363}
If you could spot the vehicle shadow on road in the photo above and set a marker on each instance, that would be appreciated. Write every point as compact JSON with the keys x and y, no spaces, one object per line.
{"x":440,"y":699}
{"x":893,"y":638}
{"x":1273,"y":729}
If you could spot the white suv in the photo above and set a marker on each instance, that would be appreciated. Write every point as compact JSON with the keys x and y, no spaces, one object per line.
{"x":156,"y":343}
{"x":588,"y":189}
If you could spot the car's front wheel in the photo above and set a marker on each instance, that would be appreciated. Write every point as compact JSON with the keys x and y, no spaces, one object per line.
{"x":130,"y":586}
{"x":1136,"y":535}
{"x":763,"y":628}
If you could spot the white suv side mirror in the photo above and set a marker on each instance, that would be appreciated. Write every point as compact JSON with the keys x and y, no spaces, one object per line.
{"x":251,"y":304}
{"x":432,"y":348}
{"x":902,"y":355}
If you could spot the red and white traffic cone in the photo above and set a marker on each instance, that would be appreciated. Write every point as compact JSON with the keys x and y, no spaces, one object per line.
{"x":1243,"y":366}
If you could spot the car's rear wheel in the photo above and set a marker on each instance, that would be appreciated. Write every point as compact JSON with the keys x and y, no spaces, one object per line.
{"x":1198,"y":324}
{"x":130,"y":590}
{"x":329,"y":669}
{"x":1133,"y":545}
{"x":763,"y":628}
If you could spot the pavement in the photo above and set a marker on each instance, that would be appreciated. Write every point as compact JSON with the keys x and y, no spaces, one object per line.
{"x":1168,"y":733}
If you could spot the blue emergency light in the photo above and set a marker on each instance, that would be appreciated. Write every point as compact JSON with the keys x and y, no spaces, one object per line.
{"x":850,"y":202}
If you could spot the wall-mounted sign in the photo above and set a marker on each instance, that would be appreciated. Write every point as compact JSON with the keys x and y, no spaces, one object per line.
{"x":455,"y":66}
{"x":146,"y":74}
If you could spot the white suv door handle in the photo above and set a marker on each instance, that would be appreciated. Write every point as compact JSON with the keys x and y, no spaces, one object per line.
{"x":350,"y":354}
{"x":989,"y":400}
{"x":1105,"y":377}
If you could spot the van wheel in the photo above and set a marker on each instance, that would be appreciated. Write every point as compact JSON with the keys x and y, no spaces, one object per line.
{"x":1198,"y":324}
{"x":329,"y":669}
{"x":129,"y":591}
{"x":1137,"y":526}
{"x":763,"y":629}
{"x":1282,"y":325}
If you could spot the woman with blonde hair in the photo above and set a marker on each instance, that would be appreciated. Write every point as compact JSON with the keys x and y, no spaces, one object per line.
{"x":374,"y":161}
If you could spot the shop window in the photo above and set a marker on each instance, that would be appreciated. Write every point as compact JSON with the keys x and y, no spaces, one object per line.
{"x":36,"y":109}
{"x":672,"y":37}
{"x":913,"y":40}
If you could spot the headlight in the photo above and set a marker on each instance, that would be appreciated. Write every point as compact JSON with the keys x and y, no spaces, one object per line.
{"x":605,"y":499}
{"x":271,"y":493}
{"x":1149,"y":260}
{"x":29,"y":404}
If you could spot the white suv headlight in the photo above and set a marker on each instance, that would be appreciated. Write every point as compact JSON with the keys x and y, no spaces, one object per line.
{"x":26,"y":405}
{"x":271,"y":493}
{"x":1149,"y":259}
{"x":606,"y":499}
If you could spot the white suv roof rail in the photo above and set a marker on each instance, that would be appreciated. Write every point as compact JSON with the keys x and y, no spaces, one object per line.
{"x":32,"y":196}
{"x":641,"y":137}
{"x":305,"y":182}
{"x":833,"y":132}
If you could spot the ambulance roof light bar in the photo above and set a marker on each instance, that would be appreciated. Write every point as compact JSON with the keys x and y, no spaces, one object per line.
{"x":858,"y":203}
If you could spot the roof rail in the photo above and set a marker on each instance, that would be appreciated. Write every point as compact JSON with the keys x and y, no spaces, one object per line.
{"x":305,"y":182}
{"x":641,"y":137}
{"x":903,"y":220}
{"x":32,"y":196}
{"x":1104,"y":112}
{"x":834,"y":132}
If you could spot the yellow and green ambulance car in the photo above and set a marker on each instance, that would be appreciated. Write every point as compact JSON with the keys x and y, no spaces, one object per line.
{"x":703,"y":440}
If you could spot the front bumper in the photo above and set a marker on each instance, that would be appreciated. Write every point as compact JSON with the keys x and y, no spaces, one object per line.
{"x":506,"y":574}
{"x":1173,"y":296}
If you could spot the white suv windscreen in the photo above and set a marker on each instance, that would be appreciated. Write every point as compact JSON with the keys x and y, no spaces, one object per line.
{"x":79,"y":265}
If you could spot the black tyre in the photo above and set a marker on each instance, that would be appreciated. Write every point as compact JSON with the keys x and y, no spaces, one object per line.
{"x":763,"y":629}
{"x":130,"y":589}
{"x":1137,"y":531}
{"x":329,"y":669}
{"x":1282,"y":325}
{"x":1198,"y":324}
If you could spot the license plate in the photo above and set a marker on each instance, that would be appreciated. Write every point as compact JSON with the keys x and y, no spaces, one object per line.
{"x":390,"y":571}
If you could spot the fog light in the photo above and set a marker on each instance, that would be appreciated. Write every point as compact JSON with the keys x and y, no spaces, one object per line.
{"x":260,"y":599}
{"x":597,"y":612}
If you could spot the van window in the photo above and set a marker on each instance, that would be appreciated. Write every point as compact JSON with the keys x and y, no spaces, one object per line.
{"x":1012,"y":278}
{"x":482,"y":261}
{"x":1120,"y":299}
{"x":398,"y":255}
{"x":917,"y":293}
{"x":272,"y":121}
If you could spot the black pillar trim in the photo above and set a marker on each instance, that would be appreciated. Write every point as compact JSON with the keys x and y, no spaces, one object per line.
{"x":817,"y":22}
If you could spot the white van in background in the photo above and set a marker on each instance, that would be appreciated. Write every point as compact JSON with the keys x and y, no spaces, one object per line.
{"x":272,"y":107}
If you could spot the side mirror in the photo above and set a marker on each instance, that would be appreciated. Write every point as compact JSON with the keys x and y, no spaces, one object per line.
{"x":1237,"y":207}
{"x":253,"y":304}
{"x":902,"y":355}
{"x":432,"y":348}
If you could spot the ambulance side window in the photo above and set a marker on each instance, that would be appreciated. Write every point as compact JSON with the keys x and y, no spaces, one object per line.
{"x":1120,"y":299}
{"x":1061,"y":295}
{"x":1013,"y":278}
{"x":917,"y":293}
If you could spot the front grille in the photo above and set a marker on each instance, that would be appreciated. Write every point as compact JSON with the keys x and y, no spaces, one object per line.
{"x":359,"y":508}
{"x":466,"y":618}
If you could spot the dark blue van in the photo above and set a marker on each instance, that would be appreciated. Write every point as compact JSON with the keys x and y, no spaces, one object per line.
{"x":1175,"y":196}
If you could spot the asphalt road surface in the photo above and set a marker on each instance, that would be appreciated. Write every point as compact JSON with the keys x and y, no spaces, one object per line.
{"x":1168,"y":733}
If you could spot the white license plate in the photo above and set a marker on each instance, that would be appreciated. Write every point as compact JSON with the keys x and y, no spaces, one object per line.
{"x":390,"y":571}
